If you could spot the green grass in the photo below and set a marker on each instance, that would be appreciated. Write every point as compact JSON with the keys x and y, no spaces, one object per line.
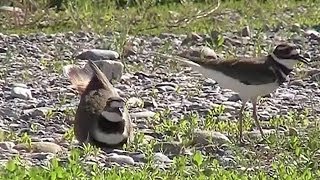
{"x":289,"y":156}
{"x":148,"y":18}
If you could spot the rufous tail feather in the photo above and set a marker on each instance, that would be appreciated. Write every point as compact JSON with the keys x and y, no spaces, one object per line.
{"x":78,"y":77}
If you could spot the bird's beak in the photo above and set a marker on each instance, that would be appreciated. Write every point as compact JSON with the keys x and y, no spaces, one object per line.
{"x":303,"y":59}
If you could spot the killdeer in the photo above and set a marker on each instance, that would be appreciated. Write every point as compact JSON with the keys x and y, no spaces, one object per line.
{"x":102,"y":118}
{"x":250,"y":77}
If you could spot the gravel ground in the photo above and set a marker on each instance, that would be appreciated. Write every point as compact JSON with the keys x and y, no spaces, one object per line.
{"x":35,"y":97}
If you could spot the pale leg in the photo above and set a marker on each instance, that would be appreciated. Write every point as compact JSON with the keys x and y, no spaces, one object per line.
{"x":241,"y":121}
{"x":255,"y":116}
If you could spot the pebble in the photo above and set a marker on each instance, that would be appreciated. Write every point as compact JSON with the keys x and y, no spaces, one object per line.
{"x":7,"y":145}
{"x":98,"y":54}
{"x":120,"y":159}
{"x":159,"y":157}
{"x":21,"y":92}
{"x":204,"y":137}
{"x":40,"y":147}
{"x":245,"y":32}
{"x":168,"y":147}
{"x":112,"y":69}
{"x":143,"y":114}
{"x":34,"y":112}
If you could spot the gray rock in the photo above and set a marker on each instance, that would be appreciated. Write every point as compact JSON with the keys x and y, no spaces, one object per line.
{"x":40,"y":147}
{"x":98,"y":54}
{"x":120,"y":159}
{"x":34,"y":112}
{"x":159,"y":157}
{"x":256,"y":133}
{"x":227,"y":161}
{"x":21,"y":91}
{"x":143,"y":114}
{"x":112,"y":69}
{"x":168,"y":147}
{"x":139,"y":157}
{"x":204,"y":137}
{"x":245,"y":32}
{"x":42,"y":156}
{"x":7,"y":145}
{"x":297,"y":82}
{"x":11,"y":9}
{"x":135,"y":102}
{"x":197,"y":52}
{"x":3,"y":50}
{"x":234,"y":98}
{"x":315,"y":35}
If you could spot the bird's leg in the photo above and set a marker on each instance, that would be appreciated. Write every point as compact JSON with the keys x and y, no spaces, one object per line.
{"x":255,"y":116}
{"x":241,"y":121}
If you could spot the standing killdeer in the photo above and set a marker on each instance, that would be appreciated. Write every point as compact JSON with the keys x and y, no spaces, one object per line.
{"x":250,"y":77}
{"x":102,"y":118}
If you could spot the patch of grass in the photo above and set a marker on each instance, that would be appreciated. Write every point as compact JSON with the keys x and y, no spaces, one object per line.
{"x":149,"y":17}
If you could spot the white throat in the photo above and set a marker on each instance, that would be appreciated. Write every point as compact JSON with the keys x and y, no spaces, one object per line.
{"x":289,"y":63}
{"x":112,"y":116}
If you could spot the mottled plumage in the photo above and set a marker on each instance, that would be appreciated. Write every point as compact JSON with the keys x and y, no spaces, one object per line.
{"x":97,"y":96}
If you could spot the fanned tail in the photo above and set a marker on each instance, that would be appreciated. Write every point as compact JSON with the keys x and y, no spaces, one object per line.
{"x":78,"y":77}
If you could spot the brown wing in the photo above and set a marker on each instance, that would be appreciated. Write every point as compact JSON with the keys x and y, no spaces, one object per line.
{"x":101,"y":77}
{"x":91,"y":105}
{"x":251,"y":72}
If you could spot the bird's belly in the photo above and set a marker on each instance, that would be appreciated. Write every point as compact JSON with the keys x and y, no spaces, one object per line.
{"x":245,"y":91}
{"x":109,"y":138}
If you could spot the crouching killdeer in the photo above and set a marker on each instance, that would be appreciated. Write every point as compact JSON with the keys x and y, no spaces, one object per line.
{"x":102,"y":118}
{"x":250,"y":77}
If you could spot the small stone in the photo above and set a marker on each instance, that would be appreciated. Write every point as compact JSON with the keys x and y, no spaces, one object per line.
{"x":143,"y":114}
{"x":287,"y":96}
{"x":156,"y":41}
{"x":315,"y":35}
{"x":21,"y":92}
{"x":3,"y":50}
{"x":135,"y":102}
{"x":34,"y":112}
{"x":7,"y":145}
{"x":44,"y":147}
{"x":198,"y":52}
{"x":296,"y":27}
{"x":256,"y":133}
{"x":196,"y":37}
{"x":11,"y":9}
{"x":42,"y":156}
{"x":227,"y":161}
{"x":312,"y":72}
{"x":168,"y":147}
{"x":234,"y":98}
{"x":112,"y":69}
{"x":98,"y":54}
{"x":159,"y":157}
{"x":139,"y":157}
{"x":292,"y":131}
{"x":120,"y":159}
{"x":245,"y":32}
{"x":315,"y":77}
{"x":204,"y":137}
{"x":208,"y":52}
{"x":297,"y":82}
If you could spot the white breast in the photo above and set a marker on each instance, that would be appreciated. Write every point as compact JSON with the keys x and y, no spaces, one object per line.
{"x":109,"y":138}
